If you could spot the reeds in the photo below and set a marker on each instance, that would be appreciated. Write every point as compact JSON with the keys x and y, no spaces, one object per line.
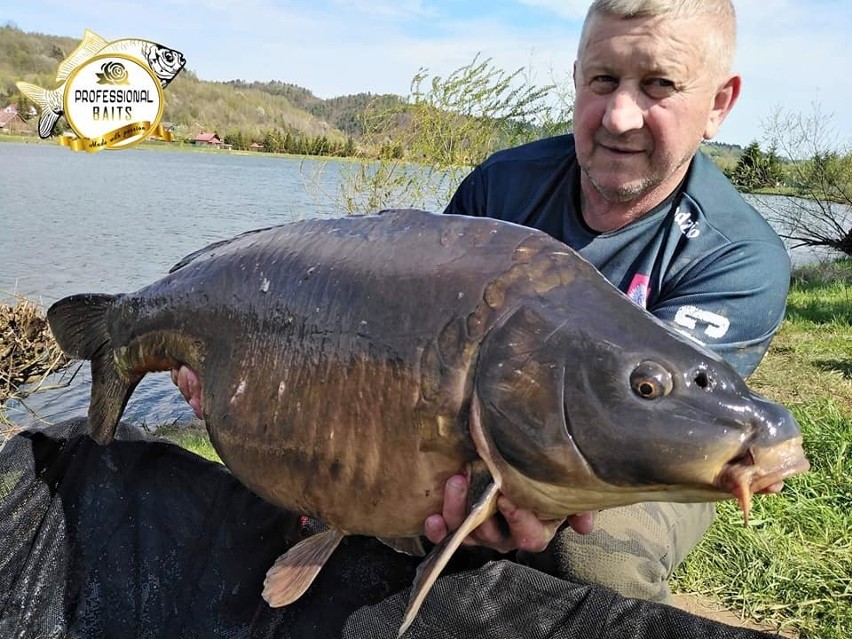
{"x":28,"y":354}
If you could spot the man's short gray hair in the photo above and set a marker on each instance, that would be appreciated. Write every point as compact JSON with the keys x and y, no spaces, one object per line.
{"x":720,"y":15}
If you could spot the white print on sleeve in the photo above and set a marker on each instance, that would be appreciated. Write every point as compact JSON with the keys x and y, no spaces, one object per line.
{"x":687,"y":225}
{"x":690,"y":316}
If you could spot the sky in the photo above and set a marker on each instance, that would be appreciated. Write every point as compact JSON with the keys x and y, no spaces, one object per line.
{"x":793,"y":54}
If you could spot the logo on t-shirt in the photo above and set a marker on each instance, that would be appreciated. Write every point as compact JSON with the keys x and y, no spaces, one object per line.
{"x":690,"y":316}
{"x":638,"y":289}
{"x":688,"y":226}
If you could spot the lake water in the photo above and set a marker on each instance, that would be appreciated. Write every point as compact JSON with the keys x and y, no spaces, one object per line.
{"x":116,"y":221}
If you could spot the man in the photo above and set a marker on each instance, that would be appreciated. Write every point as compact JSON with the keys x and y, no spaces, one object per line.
{"x":631,"y":193}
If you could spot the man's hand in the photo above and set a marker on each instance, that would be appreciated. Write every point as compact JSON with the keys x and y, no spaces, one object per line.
{"x":189,"y":383}
{"x":526,"y":531}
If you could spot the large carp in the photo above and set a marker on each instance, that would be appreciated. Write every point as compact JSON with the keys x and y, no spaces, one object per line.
{"x":350,"y":366}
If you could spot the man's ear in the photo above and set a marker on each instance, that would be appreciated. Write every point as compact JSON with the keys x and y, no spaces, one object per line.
{"x":724,"y":100}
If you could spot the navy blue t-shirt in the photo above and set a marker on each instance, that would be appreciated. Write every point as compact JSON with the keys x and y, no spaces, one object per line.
{"x":705,"y":261}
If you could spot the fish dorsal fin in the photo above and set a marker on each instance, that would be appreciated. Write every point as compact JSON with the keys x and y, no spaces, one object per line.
{"x":294,"y":571}
{"x":88,"y":48}
{"x":431,"y":567}
{"x":215,"y":245}
{"x":406,"y":545}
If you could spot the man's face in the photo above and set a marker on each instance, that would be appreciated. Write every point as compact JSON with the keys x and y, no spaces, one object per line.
{"x":645,"y":98}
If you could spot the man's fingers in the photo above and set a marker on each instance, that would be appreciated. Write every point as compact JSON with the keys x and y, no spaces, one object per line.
{"x":455,"y":501}
{"x":489,"y":533}
{"x":528,"y":531}
{"x":583,"y":523}
{"x":435,"y":528}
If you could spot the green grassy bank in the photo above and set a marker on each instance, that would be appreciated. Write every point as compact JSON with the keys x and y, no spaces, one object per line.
{"x":792,"y":566}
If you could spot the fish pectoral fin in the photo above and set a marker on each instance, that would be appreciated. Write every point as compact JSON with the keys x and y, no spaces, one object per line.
{"x":406,"y":545}
{"x":294,"y":571}
{"x":431,"y":567}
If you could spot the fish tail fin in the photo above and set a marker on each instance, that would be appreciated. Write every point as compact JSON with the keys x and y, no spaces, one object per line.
{"x":79,"y":324}
{"x":47,"y":102}
{"x":295,"y":570}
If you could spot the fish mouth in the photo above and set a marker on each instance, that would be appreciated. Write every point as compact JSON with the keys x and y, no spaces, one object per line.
{"x":760,"y":469}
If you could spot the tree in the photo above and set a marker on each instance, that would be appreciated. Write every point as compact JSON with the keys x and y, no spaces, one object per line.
{"x":26,"y":108}
{"x":427,"y":143}
{"x":820,"y":169}
{"x":757,"y":170}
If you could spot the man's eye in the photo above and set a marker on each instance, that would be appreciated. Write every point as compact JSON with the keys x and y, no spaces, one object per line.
{"x":603,"y":83}
{"x":658,"y":87}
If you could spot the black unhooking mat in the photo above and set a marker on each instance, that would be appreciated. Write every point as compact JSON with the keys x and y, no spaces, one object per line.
{"x":143,"y":539}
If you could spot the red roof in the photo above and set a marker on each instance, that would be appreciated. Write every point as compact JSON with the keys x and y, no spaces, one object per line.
{"x":8,"y":116}
{"x":211,"y":138}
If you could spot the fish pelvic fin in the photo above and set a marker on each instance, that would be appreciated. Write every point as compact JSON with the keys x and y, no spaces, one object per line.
{"x":49,"y":102}
{"x":88,"y":48}
{"x":406,"y":545}
{"x":431,"y":567}
{"x":79,"y":324}
{"x":294,"y":571}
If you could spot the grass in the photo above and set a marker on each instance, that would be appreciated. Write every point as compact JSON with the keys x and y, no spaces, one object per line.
{"x":792,"y":567}
{"x":193,"y":437}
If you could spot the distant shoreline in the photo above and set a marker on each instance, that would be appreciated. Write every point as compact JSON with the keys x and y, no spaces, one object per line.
{"x":191,"y":148}
{"x":179,"y":147}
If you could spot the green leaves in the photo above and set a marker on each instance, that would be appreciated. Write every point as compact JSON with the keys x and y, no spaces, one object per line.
{"x":426,"y":144}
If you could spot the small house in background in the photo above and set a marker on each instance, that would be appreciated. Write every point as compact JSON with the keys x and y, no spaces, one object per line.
{"x":256,"y":147}
{"x":207,"y":139}
{"x":12,"y":122}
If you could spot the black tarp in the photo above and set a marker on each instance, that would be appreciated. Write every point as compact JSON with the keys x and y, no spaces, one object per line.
{"x":144,"y":539}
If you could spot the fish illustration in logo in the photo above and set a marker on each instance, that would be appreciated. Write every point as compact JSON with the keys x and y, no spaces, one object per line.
{"x":166,"y":63}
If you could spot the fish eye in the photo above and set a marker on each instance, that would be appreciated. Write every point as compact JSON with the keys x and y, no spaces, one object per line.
{"x":651,"y":380}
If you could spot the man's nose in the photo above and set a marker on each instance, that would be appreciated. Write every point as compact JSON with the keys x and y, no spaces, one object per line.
{"x":623,"y":112}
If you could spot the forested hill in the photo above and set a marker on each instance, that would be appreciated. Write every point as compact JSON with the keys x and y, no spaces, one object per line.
{"x":344,"y":112}
{"x":194,"y":105}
